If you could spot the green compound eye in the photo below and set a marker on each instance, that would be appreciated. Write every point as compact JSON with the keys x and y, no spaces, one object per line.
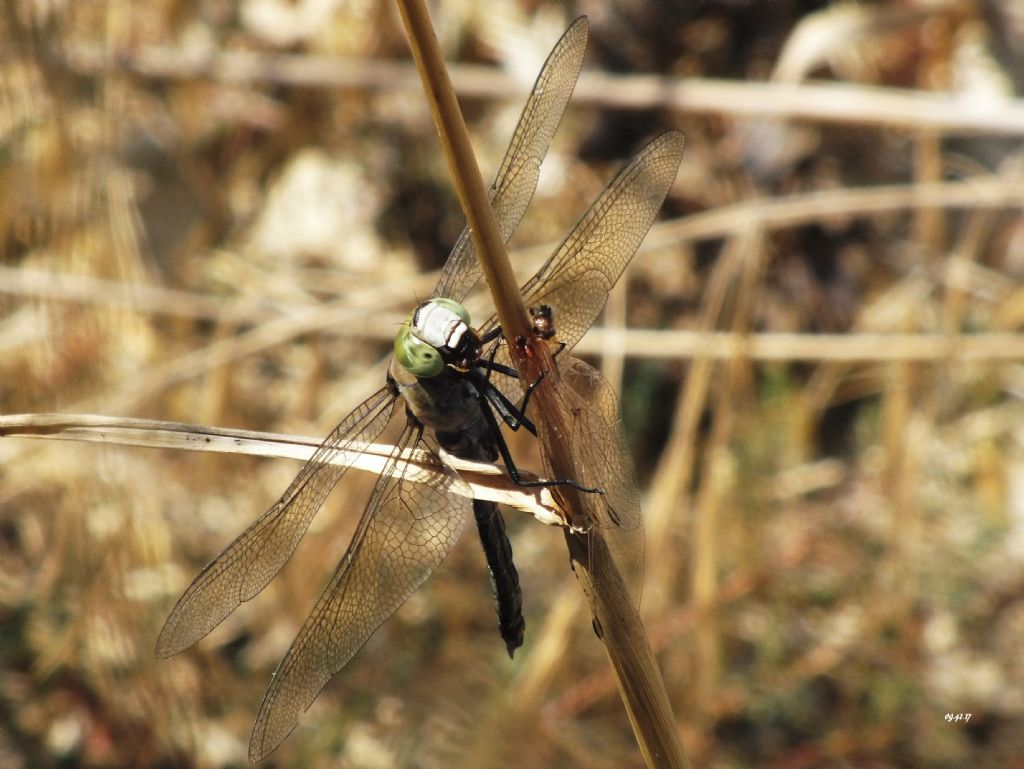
{"x":453,"y":306}
{"x":416,"y":356}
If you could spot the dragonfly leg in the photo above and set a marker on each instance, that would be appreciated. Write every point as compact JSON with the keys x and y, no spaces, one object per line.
{"x":506,"y":407}
{"x":510,"y":414}
{"x":490,"y":336}
{"x":529,"y":391}
{"x":510,"y":465}
{"x":514,"y":416}
{"x":490,"y":366}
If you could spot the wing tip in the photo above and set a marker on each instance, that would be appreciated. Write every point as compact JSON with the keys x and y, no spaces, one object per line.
{"x":167,"y":645}
{"x":268,"y":733}
{"x":164,"y":651}
{"x":674,"y":139}
{"x":581,"y":22}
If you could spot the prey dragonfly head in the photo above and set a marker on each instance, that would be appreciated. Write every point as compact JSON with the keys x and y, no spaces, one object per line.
{"x":543,"y":321}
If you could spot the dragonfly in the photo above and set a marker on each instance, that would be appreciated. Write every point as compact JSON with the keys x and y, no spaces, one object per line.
{"x":454,"y":387}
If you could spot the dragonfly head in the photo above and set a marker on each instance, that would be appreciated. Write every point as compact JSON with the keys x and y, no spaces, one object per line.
{"x":437,"y":334}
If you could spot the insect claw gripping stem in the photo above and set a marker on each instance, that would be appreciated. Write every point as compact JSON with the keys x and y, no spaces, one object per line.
{"x":512,"y":415}
{"x":506,"y":455}
{"x":515,"y":417}
{"x":529,"y":391}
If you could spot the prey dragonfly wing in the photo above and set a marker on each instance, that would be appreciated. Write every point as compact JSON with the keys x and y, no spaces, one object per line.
{"x":407,"y":529}
{"x":565,"y":296}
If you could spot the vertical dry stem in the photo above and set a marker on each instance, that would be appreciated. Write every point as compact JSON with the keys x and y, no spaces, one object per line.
{"x":465,"y":172}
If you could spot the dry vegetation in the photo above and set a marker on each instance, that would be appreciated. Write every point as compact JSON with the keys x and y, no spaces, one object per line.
{"x":218,"y":212}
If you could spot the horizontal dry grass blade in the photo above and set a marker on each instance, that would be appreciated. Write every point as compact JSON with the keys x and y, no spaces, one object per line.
{"x":473,"y":480}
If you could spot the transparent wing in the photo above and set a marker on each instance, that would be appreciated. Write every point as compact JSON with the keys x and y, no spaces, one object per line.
{"x":575,"y":282}
{"x":604,"y":461}
{"x":576,"y":279}
{"x":407,"y":530}
{"x":516,"y":180}
{"x":245,"y":566}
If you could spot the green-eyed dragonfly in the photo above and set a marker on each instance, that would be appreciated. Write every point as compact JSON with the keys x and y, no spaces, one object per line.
{"x":449,"y":387}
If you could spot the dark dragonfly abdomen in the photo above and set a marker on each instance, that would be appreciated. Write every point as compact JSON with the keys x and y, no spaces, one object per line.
{"x":508,"y":596}
{"x":450,"y":405}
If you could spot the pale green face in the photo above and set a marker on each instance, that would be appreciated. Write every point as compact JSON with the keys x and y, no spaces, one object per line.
{"x":416,"y":355}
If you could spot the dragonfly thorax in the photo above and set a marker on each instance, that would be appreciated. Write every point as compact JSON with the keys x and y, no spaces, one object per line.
{"x":437,"y":334}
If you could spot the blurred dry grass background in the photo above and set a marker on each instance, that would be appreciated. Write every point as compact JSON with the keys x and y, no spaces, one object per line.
{"x":218,"y":212}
